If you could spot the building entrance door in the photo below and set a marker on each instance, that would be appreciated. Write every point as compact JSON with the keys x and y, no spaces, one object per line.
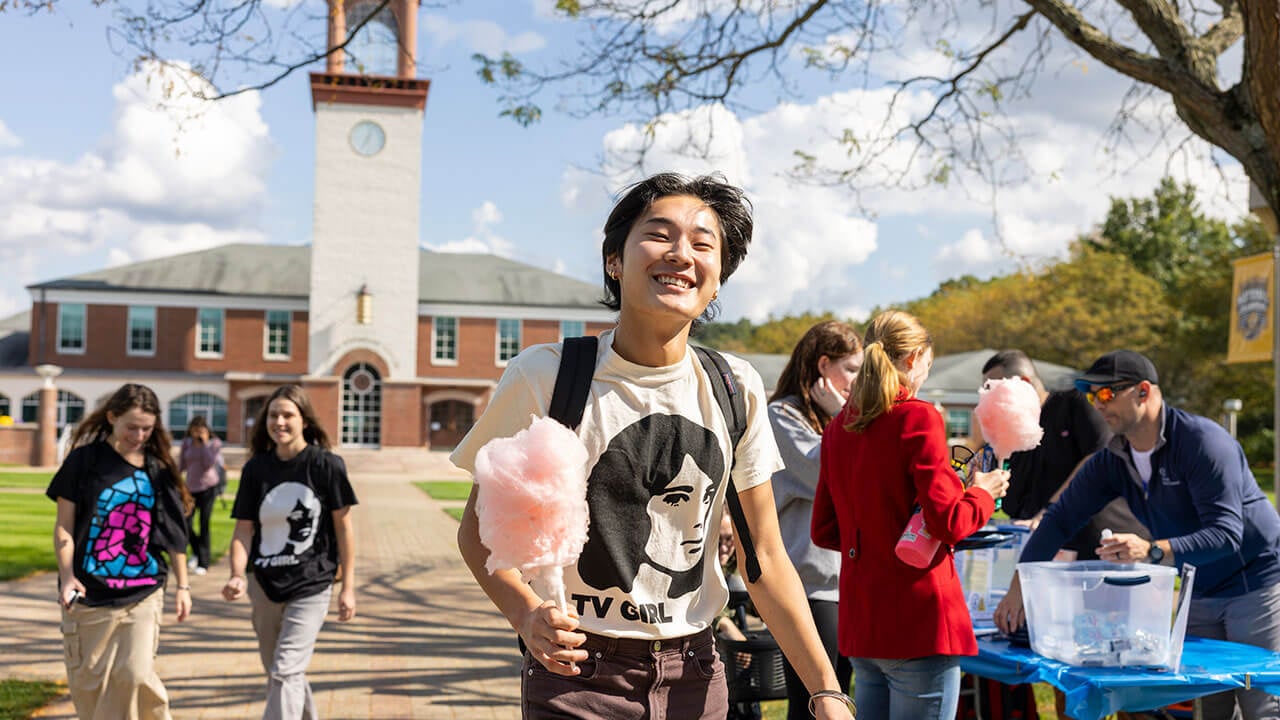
{"x":361,"y":406}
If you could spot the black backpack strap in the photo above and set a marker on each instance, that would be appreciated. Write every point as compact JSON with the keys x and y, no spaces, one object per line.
{"x":729,"y":396}
{"x":573,"y":381}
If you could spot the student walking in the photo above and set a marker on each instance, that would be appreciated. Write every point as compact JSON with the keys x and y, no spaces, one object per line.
{"x":293,"y":527}
{"x":201,"y":459}
{"x":120,"y":530}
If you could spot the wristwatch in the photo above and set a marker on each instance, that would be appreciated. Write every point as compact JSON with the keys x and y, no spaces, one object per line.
{"x":1156,"y":554}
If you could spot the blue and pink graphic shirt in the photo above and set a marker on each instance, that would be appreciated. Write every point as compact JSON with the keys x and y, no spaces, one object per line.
{"x":120,"y":510}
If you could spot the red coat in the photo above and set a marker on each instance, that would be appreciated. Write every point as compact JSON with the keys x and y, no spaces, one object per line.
{"x":868,"y":484}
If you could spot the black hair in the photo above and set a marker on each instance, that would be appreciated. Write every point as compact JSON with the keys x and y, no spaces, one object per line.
{"x":728,"y":202}
{"x":1014,"y":362}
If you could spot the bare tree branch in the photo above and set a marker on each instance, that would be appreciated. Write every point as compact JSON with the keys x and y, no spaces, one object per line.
{"x":1223,"y":34}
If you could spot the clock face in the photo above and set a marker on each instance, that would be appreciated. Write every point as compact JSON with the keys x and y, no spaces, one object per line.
{"x":367,"y":137}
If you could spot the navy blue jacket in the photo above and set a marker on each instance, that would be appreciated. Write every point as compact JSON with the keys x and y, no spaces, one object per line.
{"x":1202,"y":498}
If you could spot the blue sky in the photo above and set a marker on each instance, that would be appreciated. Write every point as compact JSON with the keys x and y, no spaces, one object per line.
{"x":92,"y":173}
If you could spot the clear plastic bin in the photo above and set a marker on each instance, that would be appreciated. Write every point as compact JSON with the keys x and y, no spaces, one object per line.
{"x":1097,"y":613}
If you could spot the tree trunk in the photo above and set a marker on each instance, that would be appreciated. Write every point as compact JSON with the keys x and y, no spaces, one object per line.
{"x":1260,"y":81}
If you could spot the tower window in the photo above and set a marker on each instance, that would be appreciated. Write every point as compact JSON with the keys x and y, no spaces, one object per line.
{"x":375,"y":47}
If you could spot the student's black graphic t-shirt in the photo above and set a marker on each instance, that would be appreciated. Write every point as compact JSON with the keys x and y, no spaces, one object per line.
{"x":294,"y":553}
{"x":125,"y":521}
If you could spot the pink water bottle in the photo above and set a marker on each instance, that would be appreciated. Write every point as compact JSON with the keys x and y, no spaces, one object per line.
{"x":916,"y":547}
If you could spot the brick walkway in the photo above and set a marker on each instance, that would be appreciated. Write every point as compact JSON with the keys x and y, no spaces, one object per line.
{"x":426,"y":642}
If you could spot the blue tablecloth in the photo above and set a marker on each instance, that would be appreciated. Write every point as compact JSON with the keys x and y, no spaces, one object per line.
{"x":1208,"y":666}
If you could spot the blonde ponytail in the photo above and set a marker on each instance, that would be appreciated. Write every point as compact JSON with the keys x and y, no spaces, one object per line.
{"x":890,"y":338}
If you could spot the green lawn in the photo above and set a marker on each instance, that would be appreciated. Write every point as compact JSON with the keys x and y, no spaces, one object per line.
{"x":451,"y":491}
{"x":26,"y":545}
{"x":20,"y":698}
{"x":446,"y":489}
{"x":10,"y":479}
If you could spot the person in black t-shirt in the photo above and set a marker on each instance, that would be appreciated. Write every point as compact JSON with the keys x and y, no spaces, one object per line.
{"x":293,"y":527}
{"x":120,"y":528}
{"x":1073,"y":430}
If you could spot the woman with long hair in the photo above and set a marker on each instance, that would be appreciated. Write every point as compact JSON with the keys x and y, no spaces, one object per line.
{"x":812,"y":389}
{"x":120,"y":530}
{"x":637,"y":642}
{"x":904,"y":627}
{"x":293,"y":526}
{"x":201,"y":459}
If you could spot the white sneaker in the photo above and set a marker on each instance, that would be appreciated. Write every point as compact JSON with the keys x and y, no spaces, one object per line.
{"x":199,"y":570}
{"x":192,"y":563}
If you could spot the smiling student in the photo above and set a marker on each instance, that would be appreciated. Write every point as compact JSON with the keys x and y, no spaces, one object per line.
{"x":644,"y":594}
{"x":293,"y":526}
{"x":120,"y":530}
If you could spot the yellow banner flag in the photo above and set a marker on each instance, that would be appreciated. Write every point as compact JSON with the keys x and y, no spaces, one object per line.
{"x":1251,"y":310}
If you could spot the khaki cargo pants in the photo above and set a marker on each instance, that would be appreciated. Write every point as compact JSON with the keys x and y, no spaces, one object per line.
{"x":110,"y":653}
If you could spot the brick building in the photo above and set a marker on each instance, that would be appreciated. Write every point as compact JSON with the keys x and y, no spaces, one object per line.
{"x":397,"y":346}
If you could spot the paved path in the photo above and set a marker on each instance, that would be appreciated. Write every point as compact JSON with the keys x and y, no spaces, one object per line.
{"x":426,"y":642}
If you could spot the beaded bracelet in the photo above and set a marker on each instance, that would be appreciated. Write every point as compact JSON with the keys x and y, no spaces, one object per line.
{"x":185,"y":587}
{"x":848,"y":701}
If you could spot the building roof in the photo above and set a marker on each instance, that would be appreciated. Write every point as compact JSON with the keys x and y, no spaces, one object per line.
{"x":15,"y":334}
{"x":955,"y":378}
{"x":285,"y":271}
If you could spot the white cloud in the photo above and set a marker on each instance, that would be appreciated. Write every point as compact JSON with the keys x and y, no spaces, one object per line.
{"x":813,"y":246}
{"x":172,"y":174}
{"x":8,"y":140}
{"x":482,"y":239}
{"x":804,"y":241}
{"x":482,"y":36}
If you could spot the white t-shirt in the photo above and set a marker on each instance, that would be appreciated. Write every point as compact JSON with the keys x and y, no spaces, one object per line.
{"x":658,"y":448}
{"x":1142,"y":461}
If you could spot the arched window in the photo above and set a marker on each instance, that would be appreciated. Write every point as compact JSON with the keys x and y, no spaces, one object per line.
{"x":70,"y":408}
{"x":5,"y":408}
{"x":374,"y":49}
{"x":361,"y":406}
{"x":185,"y":407}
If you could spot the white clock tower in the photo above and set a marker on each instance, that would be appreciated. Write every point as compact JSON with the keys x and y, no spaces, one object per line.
{"x":364,"y":247}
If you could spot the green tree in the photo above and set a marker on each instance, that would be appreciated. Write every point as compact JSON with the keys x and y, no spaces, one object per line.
{"x":1068,"y":312}
{"x":1168,"y":238}
{"x":774,"y":336}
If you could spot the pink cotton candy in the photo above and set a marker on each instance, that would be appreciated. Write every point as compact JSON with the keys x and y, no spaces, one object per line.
{"x":1009,"y":414}
{"x":532,"y":501}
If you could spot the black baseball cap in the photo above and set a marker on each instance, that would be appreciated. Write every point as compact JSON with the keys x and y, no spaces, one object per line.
{"x":1120,"y":366}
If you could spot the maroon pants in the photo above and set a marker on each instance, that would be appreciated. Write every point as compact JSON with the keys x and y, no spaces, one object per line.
{"x":630,"y":679}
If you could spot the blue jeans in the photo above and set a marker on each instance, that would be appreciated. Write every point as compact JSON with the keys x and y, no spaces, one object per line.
{"x":925,"y":688}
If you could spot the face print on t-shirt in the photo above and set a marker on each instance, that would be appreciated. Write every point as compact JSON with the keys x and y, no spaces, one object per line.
{"x":289,"y":516}
{"x":120,"y":534}
{"x":650,"y":495}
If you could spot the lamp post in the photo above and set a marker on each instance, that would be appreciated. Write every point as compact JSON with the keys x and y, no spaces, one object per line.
{"x":46,"y":449}
{"x":1232,"y":406}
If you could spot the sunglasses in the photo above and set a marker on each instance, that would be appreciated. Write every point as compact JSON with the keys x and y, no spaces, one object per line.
{"x":1106,"y":394}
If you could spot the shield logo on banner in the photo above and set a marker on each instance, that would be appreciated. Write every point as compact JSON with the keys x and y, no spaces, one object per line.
{"x":1251,"y":307}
